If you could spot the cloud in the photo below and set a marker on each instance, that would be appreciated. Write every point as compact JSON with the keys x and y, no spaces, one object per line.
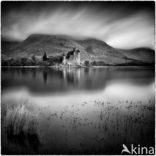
{"x":119,"y":30}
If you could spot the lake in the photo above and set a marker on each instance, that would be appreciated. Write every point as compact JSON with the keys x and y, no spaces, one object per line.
{"x":77,"y":110}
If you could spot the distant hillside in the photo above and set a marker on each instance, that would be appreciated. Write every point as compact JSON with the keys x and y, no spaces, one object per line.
{"x":143,"y":54}
{"x":6,"y":46}
{"x":91,"y":49}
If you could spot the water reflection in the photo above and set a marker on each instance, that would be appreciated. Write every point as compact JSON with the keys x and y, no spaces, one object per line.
{"x":110,"y":106}
{"x":45,"y":76}
{"x":52,"y":80}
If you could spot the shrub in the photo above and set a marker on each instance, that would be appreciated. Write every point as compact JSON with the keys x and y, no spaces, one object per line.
{"x":86,"y":63}
{"x":94,"y":63}
{"x":23,"y":61}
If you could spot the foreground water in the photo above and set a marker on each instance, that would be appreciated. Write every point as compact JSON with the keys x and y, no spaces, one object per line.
{"x":82,"y":110}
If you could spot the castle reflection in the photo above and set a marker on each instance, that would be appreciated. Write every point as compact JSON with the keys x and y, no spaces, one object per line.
{"x":46,"y":80}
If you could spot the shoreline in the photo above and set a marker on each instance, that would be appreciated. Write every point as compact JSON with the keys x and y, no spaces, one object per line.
{"x":75,"y":66}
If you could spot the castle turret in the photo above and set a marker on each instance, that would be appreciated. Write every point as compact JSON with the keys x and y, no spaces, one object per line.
{"x":64,"y":60}
{"x":78,"y":60}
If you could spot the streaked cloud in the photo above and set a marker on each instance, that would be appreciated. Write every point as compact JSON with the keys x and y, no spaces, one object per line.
{"x":129,"y":30}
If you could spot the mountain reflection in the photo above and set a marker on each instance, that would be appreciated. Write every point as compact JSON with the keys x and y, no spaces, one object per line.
{"x":46,"y":80}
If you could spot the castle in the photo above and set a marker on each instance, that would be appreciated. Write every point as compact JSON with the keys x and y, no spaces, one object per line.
{"x":72,"y":58}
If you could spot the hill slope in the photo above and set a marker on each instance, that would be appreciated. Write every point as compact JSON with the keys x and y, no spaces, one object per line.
{"x":91,"y":49}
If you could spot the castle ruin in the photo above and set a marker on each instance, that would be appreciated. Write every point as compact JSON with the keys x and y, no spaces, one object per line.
{"x":72,"y":58}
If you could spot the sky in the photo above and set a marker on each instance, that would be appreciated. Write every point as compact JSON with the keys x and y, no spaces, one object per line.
{"x":123,"y":25}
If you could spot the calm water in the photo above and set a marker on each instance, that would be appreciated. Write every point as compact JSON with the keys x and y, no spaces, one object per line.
{"x":85,"y":111}
{"x":52,"y":81}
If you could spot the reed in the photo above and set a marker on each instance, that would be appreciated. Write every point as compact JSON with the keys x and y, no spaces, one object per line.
{"x":20,"y":126}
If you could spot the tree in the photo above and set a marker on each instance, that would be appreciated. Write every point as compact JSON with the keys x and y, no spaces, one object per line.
{"x":33,"y":58}
{"x":94,"y":63}
{"x":86,"y":63}
{"x":23,"y":61}
{"x":45,"y":57}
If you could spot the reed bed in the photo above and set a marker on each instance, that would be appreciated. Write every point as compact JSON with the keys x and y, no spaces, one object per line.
{"x":19,"y":127}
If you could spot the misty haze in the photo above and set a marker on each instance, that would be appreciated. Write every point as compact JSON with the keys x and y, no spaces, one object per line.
{"x":77,"y":77}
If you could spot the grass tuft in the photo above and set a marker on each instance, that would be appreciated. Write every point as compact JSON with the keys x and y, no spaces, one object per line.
{"x":20,"y":126}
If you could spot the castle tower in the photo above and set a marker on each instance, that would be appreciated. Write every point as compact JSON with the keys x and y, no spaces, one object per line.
{"x":75,"y":56}
{"x":64,"y":60}
{"x":78,"y":60}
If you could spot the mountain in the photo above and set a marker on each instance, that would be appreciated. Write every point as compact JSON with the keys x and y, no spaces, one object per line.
{"x":6,"y":46}
{"x":143,"y":54}
{"x":91,"y":49}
